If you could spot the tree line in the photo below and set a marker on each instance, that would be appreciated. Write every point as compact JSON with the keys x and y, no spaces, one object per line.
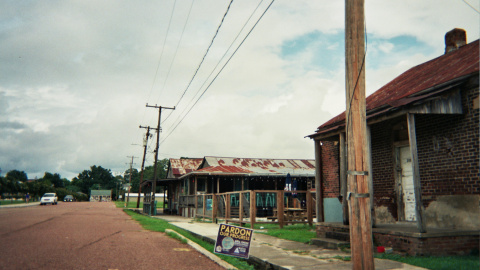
{"x":15,"y":184}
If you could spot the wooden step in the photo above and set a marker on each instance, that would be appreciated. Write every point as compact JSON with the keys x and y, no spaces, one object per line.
{"x":329,"y":243}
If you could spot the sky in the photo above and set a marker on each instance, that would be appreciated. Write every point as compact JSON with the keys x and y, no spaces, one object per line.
{"x":75,"y":76}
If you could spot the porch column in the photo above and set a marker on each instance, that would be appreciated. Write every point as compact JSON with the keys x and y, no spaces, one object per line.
{"x":370,"y":174}
{"x":195,"y":196}
{"x":214,"y":208}
{"x":343,"y":178}
{"x":419,"y":209}
{"x":318,"y":181}
{"x":253,"y":208}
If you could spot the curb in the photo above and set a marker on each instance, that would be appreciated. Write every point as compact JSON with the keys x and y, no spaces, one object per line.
{"x":205,"y":252}
{"x":21,"y":205}
{"x":252,"y":260}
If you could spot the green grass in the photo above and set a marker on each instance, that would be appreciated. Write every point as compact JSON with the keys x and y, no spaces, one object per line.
{"x":9,"y":202}
{"x":160,"y":225}
{"x":436,"y":263}
{"x":133,"y":204}
{"x":298,"y":232}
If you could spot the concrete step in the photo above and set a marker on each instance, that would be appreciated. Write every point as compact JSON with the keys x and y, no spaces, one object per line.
{"x":329,"y":243}
{"x":342,"y":236}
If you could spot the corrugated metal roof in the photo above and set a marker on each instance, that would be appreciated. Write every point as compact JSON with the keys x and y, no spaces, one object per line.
{"x":417,"y":81}
{"x":256,"y":166}
{"x":179,"y":167}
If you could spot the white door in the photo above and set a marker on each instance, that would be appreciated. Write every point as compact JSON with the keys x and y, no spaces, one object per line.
{"x":407,"y":183}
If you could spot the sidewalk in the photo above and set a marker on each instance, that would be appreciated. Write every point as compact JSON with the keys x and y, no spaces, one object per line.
{"x":19,"y":205}
{"x":274,"y":253}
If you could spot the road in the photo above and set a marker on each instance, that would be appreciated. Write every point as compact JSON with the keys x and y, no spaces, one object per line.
{"x":84,"y":235}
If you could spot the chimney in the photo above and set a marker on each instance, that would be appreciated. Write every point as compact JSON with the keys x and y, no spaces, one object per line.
{"x":455,"y":39}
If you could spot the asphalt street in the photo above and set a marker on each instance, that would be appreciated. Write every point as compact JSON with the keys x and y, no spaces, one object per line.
{"x":84,"y":235}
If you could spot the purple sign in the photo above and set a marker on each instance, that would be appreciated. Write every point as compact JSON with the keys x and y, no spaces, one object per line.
{"x":233,"y":241}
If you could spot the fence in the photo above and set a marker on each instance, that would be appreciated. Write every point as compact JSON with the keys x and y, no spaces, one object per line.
{"x":268,"y":206}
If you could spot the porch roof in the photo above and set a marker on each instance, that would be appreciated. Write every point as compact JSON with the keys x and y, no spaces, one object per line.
{"x":180,"y":167}
{"x":416,"y":84}
{"x":255,"y":167}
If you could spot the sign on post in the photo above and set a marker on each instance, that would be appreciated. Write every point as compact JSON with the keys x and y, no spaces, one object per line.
{"x":233,"y":241}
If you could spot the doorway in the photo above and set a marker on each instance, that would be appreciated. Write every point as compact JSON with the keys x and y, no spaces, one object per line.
{"x":408,"y":188}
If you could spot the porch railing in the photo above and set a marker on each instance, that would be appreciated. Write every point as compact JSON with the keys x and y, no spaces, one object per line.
{"x":267,"y":206}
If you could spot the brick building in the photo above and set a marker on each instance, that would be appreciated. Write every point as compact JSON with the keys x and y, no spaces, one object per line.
{"x":423,"y":134}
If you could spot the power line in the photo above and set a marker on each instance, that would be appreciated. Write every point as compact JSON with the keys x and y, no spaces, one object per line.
{"x":176,"y":50}
{"x":213,"y":80}
{"x":163,"y":48}
{"x":161,"y":56}
{"x":204,"y":56}
{"x":218,"y":63}
{"x":471,"y":6}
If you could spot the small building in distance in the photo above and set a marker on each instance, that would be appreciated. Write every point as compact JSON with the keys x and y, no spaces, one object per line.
{"x":101,"y":195}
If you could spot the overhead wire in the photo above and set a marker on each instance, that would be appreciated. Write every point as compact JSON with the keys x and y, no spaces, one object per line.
{"x":218,"y":63}
{"x":176,"y":50}
{"x":471,"y":6}
{"x":203,"y":58}
{"x":213,"y":80}
{"x":161,"y":56}
{"x":163,"y":49}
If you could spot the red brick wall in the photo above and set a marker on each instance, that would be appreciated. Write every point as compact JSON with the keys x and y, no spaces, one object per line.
{"x":383,"y":165}
{"x":406,"y":243}
{"x":448,"y":151}
{"x":330,"y":169}
{"x":429,"y":246}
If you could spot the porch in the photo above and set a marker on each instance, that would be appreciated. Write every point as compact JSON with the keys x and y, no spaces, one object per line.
{"x":403,"y":237}
{"x":251,"y":207}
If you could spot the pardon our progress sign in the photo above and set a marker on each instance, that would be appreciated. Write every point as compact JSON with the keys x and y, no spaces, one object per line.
{"x":233,"y":241}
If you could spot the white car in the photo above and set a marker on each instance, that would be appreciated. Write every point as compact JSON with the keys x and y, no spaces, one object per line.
{"x":49,"y":198}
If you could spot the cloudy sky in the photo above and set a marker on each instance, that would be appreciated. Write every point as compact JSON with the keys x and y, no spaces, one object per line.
{"x":75,"y":76}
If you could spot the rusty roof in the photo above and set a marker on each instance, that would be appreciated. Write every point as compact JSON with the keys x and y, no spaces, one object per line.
{"x":256,"y":166}
{"x":415,"y":83}
{"x":180,"y":167}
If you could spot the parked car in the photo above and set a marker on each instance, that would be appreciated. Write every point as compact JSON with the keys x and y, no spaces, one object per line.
{"x":50,"y":198}
{"x":68,"y":198}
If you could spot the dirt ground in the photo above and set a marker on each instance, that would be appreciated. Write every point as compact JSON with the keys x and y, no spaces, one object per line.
{"x":84,"y":235}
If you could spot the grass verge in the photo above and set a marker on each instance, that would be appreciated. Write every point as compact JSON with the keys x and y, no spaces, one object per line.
{"x":159,"y":225}
{"x":133,"y":204}
{"x":436,"y":263}
{"x":298,"y":232}
{"x":9,"y":202}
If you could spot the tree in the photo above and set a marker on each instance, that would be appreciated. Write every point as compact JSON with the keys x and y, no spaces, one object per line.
{"x":162,"y":167}
{"x":17,"y":175}
{"x":95,"y":176}
{"x":3,"y":186}
{"x":54,"y":179}
{"x":135,"y":179}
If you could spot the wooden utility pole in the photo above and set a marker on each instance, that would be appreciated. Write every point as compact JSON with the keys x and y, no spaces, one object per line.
{"x":356,"y":127}
{"x":155,"y":177}
{"x":129,"y":182}
{"x":145,"y":143}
